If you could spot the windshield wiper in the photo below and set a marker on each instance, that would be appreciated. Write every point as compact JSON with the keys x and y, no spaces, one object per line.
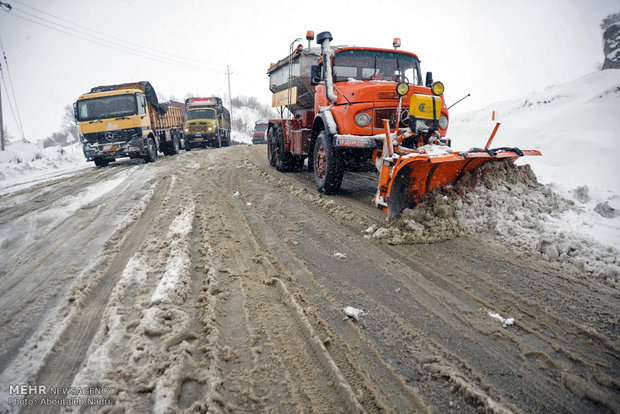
{"x":374,"y":71}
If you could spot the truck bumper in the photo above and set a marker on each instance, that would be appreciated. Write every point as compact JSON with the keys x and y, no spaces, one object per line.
{"x":358,"y":141}
{"x":195,"y":139}
{"x":113,"y":150}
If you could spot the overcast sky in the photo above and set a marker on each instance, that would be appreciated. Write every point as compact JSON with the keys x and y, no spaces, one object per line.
{"x":495,"y":50}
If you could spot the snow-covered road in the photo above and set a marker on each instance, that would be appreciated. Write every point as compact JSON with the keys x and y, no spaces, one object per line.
{"x":209,"y":281}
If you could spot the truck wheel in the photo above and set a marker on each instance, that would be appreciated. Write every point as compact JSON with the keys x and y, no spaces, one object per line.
{"x":271,"y":146}
{"x":282,"y":160}
{"x":151,"y":151}
{"x":188,"y":146}
{"x":101,"y":162}
{"x":176,"y":146}
{"x":328,"y":169}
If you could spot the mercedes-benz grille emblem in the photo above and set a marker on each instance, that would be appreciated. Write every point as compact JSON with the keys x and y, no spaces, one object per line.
{"x":109,"y":136}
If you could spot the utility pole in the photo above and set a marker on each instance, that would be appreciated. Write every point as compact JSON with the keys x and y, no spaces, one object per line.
{"x":7,"y":7}
{"x":2,"y":146}
{"x":228,"y":72}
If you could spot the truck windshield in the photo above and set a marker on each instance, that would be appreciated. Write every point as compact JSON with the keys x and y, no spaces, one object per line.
{"x":201,"y":114}
{"x":375,"y":65}
{"x":107,"y":107}
{"x":260,"y":127}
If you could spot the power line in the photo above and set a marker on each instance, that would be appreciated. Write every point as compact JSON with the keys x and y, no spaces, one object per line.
{"x":18,"y":119}
{"x":124,"y":41}
{"x":11,"y":105}
{"x":111,"y":45}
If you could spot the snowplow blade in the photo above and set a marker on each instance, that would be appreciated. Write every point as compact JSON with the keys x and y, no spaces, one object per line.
{"x":414,"y":175}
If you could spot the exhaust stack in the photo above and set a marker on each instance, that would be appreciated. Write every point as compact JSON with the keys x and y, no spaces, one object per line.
{"x":323,"y":39}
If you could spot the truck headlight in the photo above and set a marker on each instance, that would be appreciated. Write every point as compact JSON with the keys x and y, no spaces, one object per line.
{"x":186,"y":130}
{"x":402,"y":89}
{"x":443,"y":122}
{"x":362,"y":119}
{"x":437,"y":88}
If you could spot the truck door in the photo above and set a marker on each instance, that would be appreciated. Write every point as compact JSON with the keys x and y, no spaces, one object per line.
{"x":144,"y":119}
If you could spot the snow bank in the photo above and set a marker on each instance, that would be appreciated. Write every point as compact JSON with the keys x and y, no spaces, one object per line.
{"x":576,"y":126}
{"x":24,"y":162}
{"x":504,"y":203}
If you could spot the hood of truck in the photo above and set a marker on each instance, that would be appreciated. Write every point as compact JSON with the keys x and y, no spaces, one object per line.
{"x":110,"y":124}
{"x":374,"y":91}
{"x":201,"y":122}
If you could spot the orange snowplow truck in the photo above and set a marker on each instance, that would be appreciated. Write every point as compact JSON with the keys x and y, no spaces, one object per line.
{"x":353,"y":105}
{"x":338,"y":98}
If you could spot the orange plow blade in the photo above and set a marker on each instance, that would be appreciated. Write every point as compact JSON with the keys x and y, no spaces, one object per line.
{"x":406,"y":178}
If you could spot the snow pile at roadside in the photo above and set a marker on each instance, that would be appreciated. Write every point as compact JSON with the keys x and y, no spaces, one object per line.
{"x":23,"y":161}
{"x":505,"y":204}
{"x":576,"y":127}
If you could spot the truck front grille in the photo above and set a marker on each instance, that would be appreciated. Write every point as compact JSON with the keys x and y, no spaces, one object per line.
{"x":105,"y":137}
{"x":390,"y":114}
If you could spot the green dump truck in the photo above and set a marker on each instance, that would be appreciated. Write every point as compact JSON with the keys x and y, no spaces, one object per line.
{"x":207,"y":123}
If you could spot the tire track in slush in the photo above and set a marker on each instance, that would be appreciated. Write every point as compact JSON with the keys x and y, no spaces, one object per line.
{"x":391,"y":391}
{"x":42,"y":256}
{"x":69,"y":352}
{"x":433,"y":286}
{"x":275,"y":324}
{"x":345,"y":360}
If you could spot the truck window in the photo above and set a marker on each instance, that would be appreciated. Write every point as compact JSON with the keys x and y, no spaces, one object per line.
{"x":201,"y":114}
{"x":141,"y":104}
{"x":107,"y":107}
{"x":375,"y":65}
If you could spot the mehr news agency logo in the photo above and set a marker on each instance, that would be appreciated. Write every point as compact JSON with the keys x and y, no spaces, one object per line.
{"x":42,"y":395}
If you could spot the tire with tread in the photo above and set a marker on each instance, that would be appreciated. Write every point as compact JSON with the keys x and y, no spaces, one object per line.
{"x":176,"y":145}
{"x":101,"y":162}
{"x":151,"y":151}
{"x":328,"y":169}
{"x":282,"y":160}
{"x":271,"y":145}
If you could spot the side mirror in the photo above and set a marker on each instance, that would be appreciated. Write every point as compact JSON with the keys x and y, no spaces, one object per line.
{"x":429,"y":79}
{"x":75,"y":113}
{"x":315,"y":75}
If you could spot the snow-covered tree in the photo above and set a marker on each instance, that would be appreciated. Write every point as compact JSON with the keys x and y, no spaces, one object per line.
{"x":611,"y":41}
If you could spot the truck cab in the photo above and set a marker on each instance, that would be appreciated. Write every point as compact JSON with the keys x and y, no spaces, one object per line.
{"x":126,"y":120}
{"x":207,"y":123}
{"x":365,"y":80}
{"x":112,"y":124}
{"x":259,"y":134}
